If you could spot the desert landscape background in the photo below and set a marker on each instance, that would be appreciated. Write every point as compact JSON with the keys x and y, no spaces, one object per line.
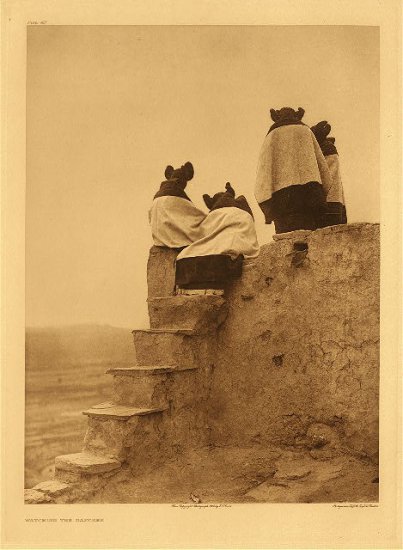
{"x":64,"y":375}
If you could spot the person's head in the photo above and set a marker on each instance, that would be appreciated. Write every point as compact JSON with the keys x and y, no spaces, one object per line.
{"x":321,"y":130}
{"x":287,"y":114}
{"x":213,"y":201}
{"x":180,"y":175}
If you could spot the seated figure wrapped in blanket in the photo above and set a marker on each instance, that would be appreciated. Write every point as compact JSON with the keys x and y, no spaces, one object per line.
{"x":229,"y":236}
{"x":293,"y":177}
{"x":335,"y":204}
{"x":175,"y":220}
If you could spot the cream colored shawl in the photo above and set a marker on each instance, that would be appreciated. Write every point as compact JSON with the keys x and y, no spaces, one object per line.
{"x":175,"y":222}
{"x":230,"y":231}
{"x":290,"y":155}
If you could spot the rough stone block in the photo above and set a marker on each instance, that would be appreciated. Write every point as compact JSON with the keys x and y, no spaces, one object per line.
{"x":164,"y":347}
{"x":32,"y":496}
{"x":161,"y":271}
{"x":144,"y":390}
{"x":71,"y":477}
{"x":202,"y":313}
{"x":52,"y":488}
{"x":110,"y":438}
{"x":292,"y":471}
{"x":86,"y":463}
{"x":320,"y":435}
{"x":297,"y":479}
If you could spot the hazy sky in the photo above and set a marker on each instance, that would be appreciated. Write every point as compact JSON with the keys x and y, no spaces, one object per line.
{"x":108,"y":107}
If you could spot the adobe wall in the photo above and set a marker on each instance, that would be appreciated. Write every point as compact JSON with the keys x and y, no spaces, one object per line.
{"x":289,"y":356}
{"x":300,"y":344}
{"x":299,"y":348}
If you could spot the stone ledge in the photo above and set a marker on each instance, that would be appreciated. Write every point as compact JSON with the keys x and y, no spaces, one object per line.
{"x":32,"y":496}
{"x":298,"y":234}
{"x":86,"y":463}
{"x":187,"y":298}
{"x":120,"y":412}
{"x":52,"y":488}
{"x":305,"y":233}
{"x":189,"y":292}
{"x":147,"y":370}
{"x":344,"y":227}
{"x":178,"y":331}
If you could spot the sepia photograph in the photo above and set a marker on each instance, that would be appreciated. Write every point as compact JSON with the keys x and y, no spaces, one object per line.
{"x":202,"y":264}
{"x":201,"y":274}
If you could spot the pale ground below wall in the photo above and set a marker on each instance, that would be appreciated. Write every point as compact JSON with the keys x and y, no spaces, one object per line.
{"x":248,"y":474}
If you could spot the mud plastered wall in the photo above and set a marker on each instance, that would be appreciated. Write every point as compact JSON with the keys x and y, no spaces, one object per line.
{"x":300,"y":344}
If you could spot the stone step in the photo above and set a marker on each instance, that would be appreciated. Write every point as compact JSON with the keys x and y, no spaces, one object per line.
{"x":145,"y":387}
{"x":113,"y":429}
{"x":166,"y":330}
{"x":51,"y":491}
{"x":73,"y":466}
{"x":144,"y":391}
{"x":115,"y":411}
{"x":147,"y":370}
{"x":201,"y":313}
{"x":142,"y":370}
{"x":197,"y":292}
{"x":167,"y":347}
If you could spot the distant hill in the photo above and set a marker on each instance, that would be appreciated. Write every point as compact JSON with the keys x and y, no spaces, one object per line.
{"x":65,"y":375}
{"x":78,"y":344}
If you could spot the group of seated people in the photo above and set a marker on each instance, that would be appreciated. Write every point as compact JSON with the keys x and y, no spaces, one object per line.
{"x":298,"y":186}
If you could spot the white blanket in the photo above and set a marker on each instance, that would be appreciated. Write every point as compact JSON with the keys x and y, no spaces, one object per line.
{"x":175,"y":222}
{"x":290,"y":155}
{"x":336,"y":193}
{"x":230,"y":231}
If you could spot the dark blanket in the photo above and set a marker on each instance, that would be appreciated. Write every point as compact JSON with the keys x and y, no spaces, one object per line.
{"x":171,"y":189}
{"x":214,"y":271}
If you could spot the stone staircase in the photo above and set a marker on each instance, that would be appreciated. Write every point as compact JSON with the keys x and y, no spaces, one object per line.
{"x":158,"y":406}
